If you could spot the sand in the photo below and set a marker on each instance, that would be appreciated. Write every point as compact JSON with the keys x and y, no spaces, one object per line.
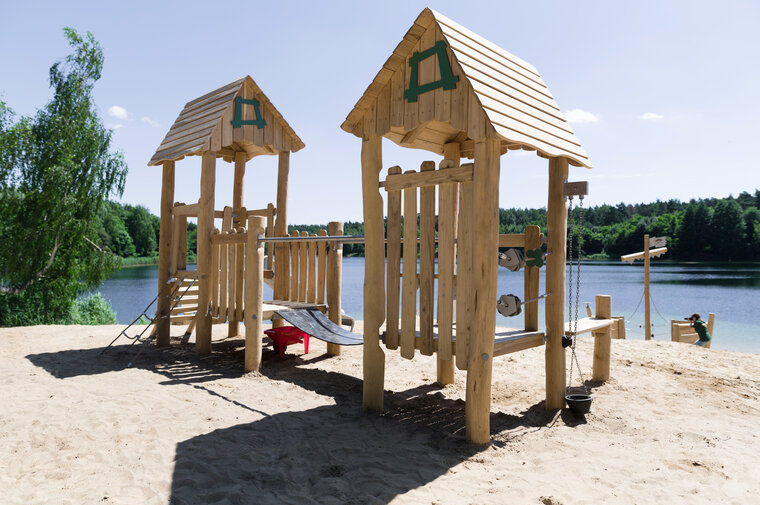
{"x":675,"y":424}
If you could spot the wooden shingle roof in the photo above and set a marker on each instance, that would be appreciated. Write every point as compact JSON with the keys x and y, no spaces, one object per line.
{"x":497,"y":95}
{"x":206,"y":124}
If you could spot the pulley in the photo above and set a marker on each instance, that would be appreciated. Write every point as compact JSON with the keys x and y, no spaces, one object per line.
{"x":512,"y":259}
{"x":511,"y":305}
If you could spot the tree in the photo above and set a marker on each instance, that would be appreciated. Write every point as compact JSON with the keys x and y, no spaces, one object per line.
{"x":140,"y":226}
{"x":728,"y":229}
{"x":56,"y":170}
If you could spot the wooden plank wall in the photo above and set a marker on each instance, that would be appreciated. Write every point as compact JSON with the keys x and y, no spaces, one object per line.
{"x":308,"y":268}
{"x":403,"y":279}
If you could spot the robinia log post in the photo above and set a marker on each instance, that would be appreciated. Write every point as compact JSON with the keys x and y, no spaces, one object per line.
{"x":254,"y":282}
{"x":334,"y":281}
{"x":556,"y":216}
{"x":602,"y":340}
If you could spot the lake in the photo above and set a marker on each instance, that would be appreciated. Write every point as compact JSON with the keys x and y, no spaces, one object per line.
{"x":730,"y":290}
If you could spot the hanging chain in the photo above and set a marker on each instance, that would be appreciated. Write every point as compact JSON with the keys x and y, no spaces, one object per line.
{"x":574,"y":306}
{"x":570,"y":274}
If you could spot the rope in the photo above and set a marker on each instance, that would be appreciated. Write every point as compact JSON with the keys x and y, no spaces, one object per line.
{"x":657,"y":310}
{"x":637,"y":307}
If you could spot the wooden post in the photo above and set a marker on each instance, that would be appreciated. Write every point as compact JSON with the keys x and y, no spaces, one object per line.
{"x":485,"y":185}
{"x":282,"y":249}
{"x":531,"y":277}
{"x":374,"y":273}
{"x":647,"y":321}
{"x":555,"y":284}
{"x":444,"y":368}
{"x":334,"y":280}
{"x":254,"y":289}
{"x":164,"y":303}
{"x":602,"y":340}
{"x":710,"y":326}
{"x":205,"y":229}
{"x":237,"y":207}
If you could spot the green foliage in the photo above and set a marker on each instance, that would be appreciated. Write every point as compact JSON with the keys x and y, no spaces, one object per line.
{"x":91,"y":310}
{"x":56,"y":171}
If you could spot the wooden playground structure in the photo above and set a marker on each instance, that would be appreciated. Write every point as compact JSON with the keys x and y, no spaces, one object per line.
{"x":445,"y":90}
{"x":449,"y":91}
{"x":236,"y":123}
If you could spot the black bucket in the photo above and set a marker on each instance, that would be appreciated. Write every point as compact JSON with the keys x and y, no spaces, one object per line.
{"x":579,"y":404}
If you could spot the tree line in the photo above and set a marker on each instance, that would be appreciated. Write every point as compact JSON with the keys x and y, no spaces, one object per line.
{"x":711,"y":229}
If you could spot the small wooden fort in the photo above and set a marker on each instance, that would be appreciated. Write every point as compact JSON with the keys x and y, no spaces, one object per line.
{"x":445,"y":90}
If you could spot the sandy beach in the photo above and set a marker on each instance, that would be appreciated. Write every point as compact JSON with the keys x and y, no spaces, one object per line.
{"x":675,"y":424}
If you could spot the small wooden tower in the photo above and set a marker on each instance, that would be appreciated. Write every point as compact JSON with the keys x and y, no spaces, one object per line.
{"x":449,"y":91}
{"x":236,"y":123}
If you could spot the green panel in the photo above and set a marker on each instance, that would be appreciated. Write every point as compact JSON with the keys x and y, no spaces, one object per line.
{"x":447,"y":81}
{"x":237,"y":120}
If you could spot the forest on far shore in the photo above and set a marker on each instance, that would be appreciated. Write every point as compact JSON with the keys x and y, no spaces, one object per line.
{"x":711,"y":229}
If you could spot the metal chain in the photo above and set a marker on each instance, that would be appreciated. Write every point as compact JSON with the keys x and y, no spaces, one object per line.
{"x":570,"y":236}
{"x":574,"y":358}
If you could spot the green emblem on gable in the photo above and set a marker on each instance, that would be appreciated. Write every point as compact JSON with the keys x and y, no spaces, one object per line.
{"x":447,"y":81}
{"x":237,"y":120}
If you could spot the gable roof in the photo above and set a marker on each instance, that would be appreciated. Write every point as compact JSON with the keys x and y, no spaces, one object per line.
{"x":507,"y":92}
{"x":205,"y":124}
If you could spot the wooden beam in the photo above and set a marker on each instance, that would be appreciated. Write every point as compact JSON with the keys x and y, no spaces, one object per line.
{"x":334,"y":280}
{"x":531,"y":278}
{"x":163,"y":305}
{"x":653,"y":253}
{"x":254,"y":288}
{"x":556,"y":215}
{"x":447,"y":218}
{"x":205,"y":230}
{"x":282,"y":256}
{"x":374,"y":273}
{"x":430,"y":178}
{"x":485,"y":185}
{"x":412,"y":135}
{"x":602,"y":340}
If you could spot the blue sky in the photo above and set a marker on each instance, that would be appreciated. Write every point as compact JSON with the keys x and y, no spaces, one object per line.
{"x":663,"y":95}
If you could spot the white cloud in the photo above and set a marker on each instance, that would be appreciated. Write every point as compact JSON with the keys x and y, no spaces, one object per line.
{"x":651,"y":116}
{"x":580,"y":116}
{"x":118,"y":112}
{"x":149,"y":121}
{"x":114,"y":126}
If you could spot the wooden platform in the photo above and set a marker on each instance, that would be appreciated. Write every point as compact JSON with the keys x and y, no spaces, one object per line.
{"x":506,"y":340}
{"x":588,"y":324}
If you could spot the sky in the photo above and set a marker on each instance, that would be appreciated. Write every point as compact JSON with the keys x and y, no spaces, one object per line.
{"x":663,"y":95}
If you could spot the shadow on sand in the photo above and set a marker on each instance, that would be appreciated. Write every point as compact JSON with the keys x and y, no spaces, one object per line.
{"x":329,"y":454}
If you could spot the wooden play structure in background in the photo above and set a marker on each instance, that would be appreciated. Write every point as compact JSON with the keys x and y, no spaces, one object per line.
{"x":449,"y":91}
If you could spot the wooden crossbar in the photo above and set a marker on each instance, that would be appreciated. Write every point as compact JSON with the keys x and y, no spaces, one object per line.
{"x":411,"y":179}
{"x":588,"y":324}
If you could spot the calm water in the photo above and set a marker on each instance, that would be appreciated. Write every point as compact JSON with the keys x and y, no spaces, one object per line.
{"x":731,"y":291}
